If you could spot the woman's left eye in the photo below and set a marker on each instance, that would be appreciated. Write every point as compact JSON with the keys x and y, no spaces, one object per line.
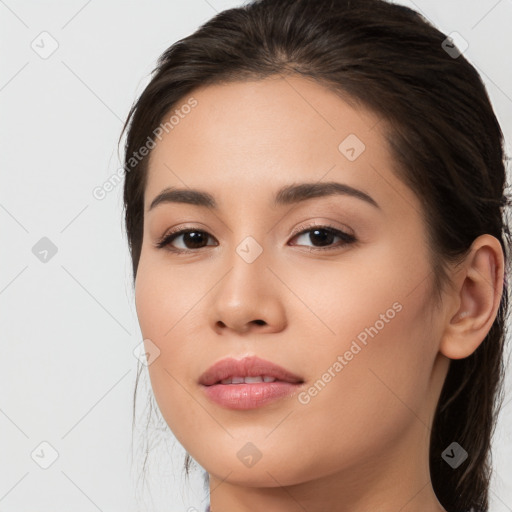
{"x":193,"y":239}
{"x":325,"y":235}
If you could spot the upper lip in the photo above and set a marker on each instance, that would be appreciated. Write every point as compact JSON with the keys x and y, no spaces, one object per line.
{"x":246,"y":367}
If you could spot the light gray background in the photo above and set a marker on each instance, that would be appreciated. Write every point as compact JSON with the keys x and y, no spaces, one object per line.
{"x":69,"y":327}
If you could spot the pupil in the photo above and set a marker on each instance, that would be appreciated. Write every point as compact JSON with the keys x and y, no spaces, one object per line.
{"x":325,"y":239}
{"x":194,"y":237}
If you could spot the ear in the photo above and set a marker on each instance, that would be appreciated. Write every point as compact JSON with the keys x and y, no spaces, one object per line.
{"x":474,"y":299}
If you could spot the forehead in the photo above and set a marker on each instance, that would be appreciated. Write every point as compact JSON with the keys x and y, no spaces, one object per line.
{"x":266,"y":114}
{"x":253,"y":135}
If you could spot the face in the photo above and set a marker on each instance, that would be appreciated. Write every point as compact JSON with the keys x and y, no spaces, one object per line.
{"x":332,"y":285}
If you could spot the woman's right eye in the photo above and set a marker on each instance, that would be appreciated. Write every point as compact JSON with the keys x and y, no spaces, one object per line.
{"x":192,"y":239}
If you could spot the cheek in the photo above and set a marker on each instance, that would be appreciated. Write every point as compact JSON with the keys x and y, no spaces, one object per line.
{"x":372,"y":394}
{"x":375,"y":369}
{"x":370,"y":343}
{"x":164,"y":296}
{"x":166,"y":304}
{"x":369,"y":294}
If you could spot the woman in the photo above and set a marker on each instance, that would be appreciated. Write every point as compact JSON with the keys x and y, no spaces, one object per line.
{"x":314,"y":199}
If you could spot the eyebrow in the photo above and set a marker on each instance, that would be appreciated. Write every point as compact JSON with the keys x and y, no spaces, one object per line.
{"x":290,"y":194}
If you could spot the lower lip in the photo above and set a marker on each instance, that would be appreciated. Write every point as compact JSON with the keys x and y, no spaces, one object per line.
{"x":249,"y":396}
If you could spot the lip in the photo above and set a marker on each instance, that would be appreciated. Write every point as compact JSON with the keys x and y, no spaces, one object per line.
{"x":247,"y":395}
{"x":246,"y":367}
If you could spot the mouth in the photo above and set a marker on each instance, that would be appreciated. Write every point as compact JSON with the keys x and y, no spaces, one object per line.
{"x":248,"y":370}
{"x":248,"y":383}
{"x":247,"y":380}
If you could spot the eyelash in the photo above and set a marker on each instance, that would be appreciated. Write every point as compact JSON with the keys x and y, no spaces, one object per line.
{"x":346,"y":238}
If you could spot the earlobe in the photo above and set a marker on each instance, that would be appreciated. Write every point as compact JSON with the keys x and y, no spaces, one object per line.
{"x":477,"y":292}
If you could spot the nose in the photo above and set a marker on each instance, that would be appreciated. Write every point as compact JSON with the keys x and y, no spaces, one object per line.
{"x":248,"y":299}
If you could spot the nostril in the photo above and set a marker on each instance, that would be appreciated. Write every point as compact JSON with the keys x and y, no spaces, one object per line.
{"x":222,"y":325}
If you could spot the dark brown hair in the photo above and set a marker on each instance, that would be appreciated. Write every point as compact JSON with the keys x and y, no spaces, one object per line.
{"x":441,"y":129}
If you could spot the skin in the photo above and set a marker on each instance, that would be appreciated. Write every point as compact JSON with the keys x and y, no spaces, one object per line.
{"x":361,"y":443}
